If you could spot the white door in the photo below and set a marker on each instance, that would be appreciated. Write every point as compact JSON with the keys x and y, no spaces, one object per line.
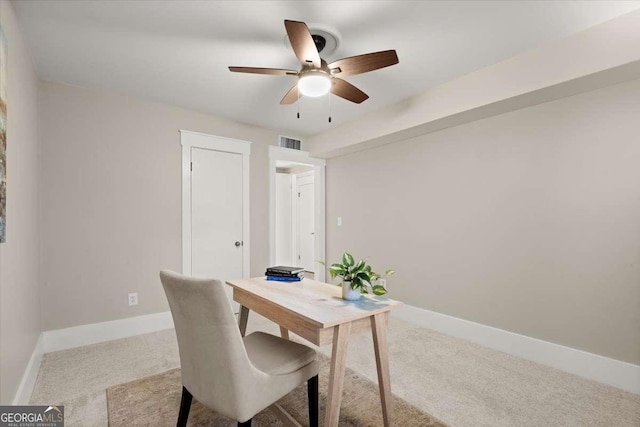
{"x":216,"y":215}
{"x":284,"y":220}
{"x":306,"y":221}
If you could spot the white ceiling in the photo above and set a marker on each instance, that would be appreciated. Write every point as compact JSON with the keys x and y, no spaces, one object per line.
{"x":178,"y":52}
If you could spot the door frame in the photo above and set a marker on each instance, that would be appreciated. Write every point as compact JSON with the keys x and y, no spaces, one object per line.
{"x":287,"y":154}
{"x":295,"y":212}
{"x":189,"y":140}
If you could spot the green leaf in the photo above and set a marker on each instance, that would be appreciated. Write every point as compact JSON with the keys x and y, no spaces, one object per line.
{"x":338,"y":269}
{"x":379,"y":290}
{"x":356,"y":283}
{"x":347,"y":259}
{"x":321,"y":262}
{"x":363,"y":274}
{"x":359,"y":266}
{"x":389,"y":272}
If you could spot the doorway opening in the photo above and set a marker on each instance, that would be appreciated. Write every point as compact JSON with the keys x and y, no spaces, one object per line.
{"x":297,"y":211}
{"x":295,"y":216}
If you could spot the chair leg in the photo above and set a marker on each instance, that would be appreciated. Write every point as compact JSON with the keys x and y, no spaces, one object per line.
{"x":312,"y":392}
{"x":185,"y":406}
{"x":245,"y":424}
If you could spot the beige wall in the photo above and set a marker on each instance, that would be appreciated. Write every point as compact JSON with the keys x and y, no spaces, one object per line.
{"x":528,"y":221}
{"x":111,"y":184}
{"x":20,"y":322}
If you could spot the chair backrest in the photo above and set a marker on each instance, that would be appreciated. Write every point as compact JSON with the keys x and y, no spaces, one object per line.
{"x":215,"y":367}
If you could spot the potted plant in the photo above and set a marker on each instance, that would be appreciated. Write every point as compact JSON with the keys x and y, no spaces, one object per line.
{"x":357,"y":278}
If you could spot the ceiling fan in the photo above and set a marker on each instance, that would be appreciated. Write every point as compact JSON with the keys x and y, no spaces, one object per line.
{"x":316,"y":77}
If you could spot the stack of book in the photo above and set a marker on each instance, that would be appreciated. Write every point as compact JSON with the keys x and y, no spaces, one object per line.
{"x":285,"y":274}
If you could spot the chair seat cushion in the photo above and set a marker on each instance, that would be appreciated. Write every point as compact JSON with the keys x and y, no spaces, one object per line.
{"x":277,"y":356}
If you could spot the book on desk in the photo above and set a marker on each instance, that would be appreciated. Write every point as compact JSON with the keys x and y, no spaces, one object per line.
{"x":284,"y":274}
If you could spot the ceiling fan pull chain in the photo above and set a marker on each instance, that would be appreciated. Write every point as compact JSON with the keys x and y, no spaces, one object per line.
{"x":329,"y":107}
{"x":298,"y":104}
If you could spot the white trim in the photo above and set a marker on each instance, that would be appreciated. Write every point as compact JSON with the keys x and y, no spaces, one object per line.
{"x":94,"y":333}
{"x":213,"y":142}
{"x":298,"y":156}
{"x":625,"y":376}
{"x":190,"y":140}
{"x":246,"y":219}
{"x":28,"y":382}
{"x":587,"y":365}
{"x":286,"y":154}
{"x":294,"y":221}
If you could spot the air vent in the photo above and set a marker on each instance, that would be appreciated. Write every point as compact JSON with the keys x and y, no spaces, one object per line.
{"x":287,"y":142}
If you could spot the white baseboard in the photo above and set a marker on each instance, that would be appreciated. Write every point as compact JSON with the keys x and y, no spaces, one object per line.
{"x":625,"y":376}
{"x":28,"y":382}
{"x":62,"y":339}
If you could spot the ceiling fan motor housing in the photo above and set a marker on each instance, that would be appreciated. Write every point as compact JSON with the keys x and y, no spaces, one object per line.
{"x":325,"y":38}
{"x":320,"y":41}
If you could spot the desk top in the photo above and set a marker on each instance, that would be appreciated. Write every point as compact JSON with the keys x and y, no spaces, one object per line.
{"x":319,"y":303}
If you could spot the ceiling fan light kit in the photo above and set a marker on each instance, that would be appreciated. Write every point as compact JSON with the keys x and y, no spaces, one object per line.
{"x":314,"y":83}
{"x":316,"y":77}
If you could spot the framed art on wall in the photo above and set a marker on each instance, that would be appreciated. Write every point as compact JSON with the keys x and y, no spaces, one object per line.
{"x":3,"y":136}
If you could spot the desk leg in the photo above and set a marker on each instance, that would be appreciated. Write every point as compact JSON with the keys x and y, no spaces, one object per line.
{"x":379,"y":329}
{"x":284,"y":333}
{"x":336,"y":373}
{"x":242,"y":319}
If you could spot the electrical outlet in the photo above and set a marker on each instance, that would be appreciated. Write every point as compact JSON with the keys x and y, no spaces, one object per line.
{"x":133,"y":298}
{"x":383,"y":282}
{"x":339,"y":221}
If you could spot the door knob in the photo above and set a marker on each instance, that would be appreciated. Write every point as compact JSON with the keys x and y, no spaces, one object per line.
{"x":238,"y":244}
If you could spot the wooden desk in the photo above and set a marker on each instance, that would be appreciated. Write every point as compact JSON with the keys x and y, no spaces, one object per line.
{"x":316,"y":312}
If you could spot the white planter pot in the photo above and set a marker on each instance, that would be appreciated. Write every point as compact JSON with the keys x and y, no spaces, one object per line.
{"x":350,"y":294}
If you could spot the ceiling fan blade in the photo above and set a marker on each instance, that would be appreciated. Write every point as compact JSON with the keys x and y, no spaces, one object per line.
{"x":256,"y":70}
{"x":291,"y":97}
{"x":302,"y":43}
{"x":346,"y":90}
{"x":362,"y":63}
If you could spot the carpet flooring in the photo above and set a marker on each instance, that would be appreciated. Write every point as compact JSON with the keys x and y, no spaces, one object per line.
{"x":461,"y":383}
{"x":155,"y":400}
